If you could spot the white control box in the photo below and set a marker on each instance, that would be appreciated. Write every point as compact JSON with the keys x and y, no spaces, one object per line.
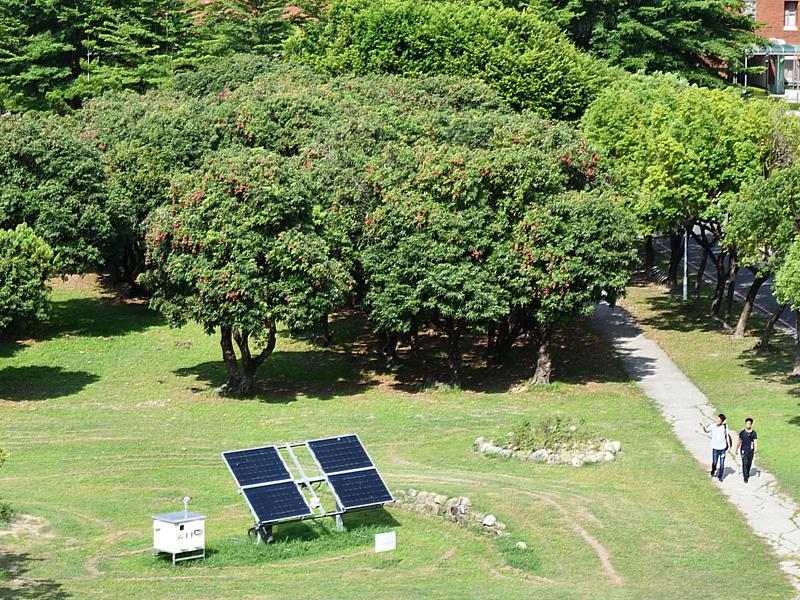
{"x":180,"y":533}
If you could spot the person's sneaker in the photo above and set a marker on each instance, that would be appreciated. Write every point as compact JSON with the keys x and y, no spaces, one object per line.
{"x":746,"y":480}
{"x":713,"y":471}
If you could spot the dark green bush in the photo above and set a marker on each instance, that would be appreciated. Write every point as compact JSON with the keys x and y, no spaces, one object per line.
{"x":528,"y":61}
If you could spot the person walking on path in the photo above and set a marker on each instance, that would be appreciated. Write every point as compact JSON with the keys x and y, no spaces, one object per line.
{"x":720,"y":442}
{"x":748,"y":445}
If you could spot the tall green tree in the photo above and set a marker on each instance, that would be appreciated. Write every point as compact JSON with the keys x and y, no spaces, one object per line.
{"x":762,"y":224}
{"x":527,"y":60}
{"x":678,"y":149}
{"x":236,"y":251}
{"x":697,"y":40}
{"x":52,"y":178}
{"x":56,"y":53}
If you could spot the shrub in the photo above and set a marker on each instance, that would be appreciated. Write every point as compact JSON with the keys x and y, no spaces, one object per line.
{"x":552,"y":433}
{"x":26,"y":263}
{"x":530,"y":62}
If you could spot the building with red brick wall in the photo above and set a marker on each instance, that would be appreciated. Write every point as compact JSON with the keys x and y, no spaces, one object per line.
{"x":779,"y":19}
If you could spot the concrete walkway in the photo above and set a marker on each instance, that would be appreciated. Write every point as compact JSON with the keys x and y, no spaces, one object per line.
{"x":770,"y":514}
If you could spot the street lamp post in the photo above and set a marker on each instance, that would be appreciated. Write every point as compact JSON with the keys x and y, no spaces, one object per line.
{"x":686,"y":264}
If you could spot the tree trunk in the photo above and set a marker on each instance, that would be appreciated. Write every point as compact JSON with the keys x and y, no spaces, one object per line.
{"x":427,"y":379}
{"x":325,"y":331}
{"x":733,"y":271}
{"x":229,"y":356}
{"x":796,"y":370}
{"x":387,"y":347}
{"x":544,"y":365}
{"x":766,"y":336}
{"x":649,"y":254}
{"x":719,"y":290}
{"x":675,"y":256}
{"x":454,"y":353}
{"x":701,"y":271}
{"x":749,"y":302}
{"x":250,"y":363}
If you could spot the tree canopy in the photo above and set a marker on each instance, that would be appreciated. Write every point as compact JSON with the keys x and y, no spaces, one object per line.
{"x":56,"y":53}
{"x":697,"y":40}
{"x":527,"y":60}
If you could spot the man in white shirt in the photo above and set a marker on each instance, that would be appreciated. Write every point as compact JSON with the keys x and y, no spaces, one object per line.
{"x":719,"y":444}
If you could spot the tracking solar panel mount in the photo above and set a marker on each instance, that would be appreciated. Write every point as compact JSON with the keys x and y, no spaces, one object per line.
{"x":274,"y":495}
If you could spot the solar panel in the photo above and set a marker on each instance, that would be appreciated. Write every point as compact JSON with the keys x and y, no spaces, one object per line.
{"x":359,"y":488}
{"x":277,"y":501}
{"x":256,"y":465}
{"x":340,"y":454}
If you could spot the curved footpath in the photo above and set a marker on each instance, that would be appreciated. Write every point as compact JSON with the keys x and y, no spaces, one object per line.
{"x":769,"y":513}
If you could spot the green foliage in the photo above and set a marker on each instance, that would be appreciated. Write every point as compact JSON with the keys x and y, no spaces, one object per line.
{"x":552,"y":433}
{"x":679,"y":147}
{"x":528,"y":61}
{"x":762,"y":221}
{"x":145,"y":140}
{"x":26,"y":263}
{"x":236,"y":248}
{"x":223,"y":76}
{"x":565,"y":256}
{"x":56,"y":53}
{"x":52,"y":178}
{"x":687,"y":38}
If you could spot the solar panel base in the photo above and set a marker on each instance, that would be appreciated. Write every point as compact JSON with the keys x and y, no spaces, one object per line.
{"x":360,"y":489}
{"x":276,"y":502}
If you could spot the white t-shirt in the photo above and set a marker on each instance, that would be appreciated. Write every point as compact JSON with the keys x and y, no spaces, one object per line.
{"x":718,"y":441}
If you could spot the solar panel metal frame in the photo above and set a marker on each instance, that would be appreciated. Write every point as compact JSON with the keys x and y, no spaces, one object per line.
{"x":360,"y":506}
{"x":339,"y":505}
{"x":258,"y":519}
{"x":236,"y":479}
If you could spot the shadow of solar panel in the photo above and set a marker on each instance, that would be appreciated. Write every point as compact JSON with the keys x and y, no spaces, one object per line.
{"x":277,"y":501}
{"x":256,"y":465}
{"x":359,"y":489}
{"x":340,"y":454}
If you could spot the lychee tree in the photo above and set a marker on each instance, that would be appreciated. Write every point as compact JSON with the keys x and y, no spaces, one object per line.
{"x":236,"y":251}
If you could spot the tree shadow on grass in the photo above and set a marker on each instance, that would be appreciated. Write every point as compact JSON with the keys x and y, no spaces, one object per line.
{"x":18,"y":384}
{"x":285,"y":376}
{"x":15,"y":585}
{"x":83,"y":317}
{"x":675,"y":315}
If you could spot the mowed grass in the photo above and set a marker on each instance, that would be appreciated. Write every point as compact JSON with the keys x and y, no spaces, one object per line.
{"x":737,"y":379}
{"x":111,"y":417}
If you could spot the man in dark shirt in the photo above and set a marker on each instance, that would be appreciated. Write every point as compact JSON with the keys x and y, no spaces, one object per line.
{"x":748,"y":445}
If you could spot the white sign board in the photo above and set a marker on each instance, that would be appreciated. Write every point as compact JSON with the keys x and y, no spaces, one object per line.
{"x":384,"y":542}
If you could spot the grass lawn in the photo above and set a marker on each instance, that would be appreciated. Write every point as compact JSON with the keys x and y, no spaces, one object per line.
{"x":110,"y":416}
{"x":737,"y":380}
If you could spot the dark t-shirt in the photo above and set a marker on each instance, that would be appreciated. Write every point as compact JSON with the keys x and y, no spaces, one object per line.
{"x":747,"y":438}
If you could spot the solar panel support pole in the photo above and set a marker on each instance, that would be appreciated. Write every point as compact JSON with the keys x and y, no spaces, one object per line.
{"x":305,"y":479}
{"x":339,"y":523}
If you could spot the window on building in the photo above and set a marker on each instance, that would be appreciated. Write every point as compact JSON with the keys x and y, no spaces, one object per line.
{"x":790,"y":15}
{"x":750,"y":8}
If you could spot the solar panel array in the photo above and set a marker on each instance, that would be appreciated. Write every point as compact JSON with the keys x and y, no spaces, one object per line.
{"x":273,"y":495}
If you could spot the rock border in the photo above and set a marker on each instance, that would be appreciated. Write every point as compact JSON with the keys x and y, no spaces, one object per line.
{"x":457,"y":509}
{"x":577,"y":455}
